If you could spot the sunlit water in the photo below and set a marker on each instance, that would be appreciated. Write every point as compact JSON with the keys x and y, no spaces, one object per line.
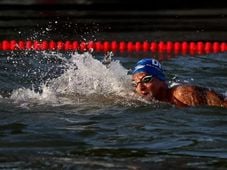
{"x":69,"y":110}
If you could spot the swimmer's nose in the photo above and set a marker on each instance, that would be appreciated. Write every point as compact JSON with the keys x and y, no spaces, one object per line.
{"x":141,"y":88}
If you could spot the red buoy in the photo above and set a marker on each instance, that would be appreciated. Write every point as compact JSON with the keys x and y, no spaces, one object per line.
{"x":114,"y":46}
{"x":192,"y":48}
{"x":177,"y":47}
{"x":21,"y":45}
{"x":60,"y":45}
{"x":68,"y":45}
{"x":153,"y":47}
{"x":161,"y":47}
{"x":13,"y":45}
{"x":223,"y":47}
{"x":83,"y":46}
{"x":184,"y":47}
{"x":91,"y":45}
{"x":5,"y":45}
{"x":44,"y":45}
{"x":106,"y":46}
{"x":28,"y":45}
{"x":98,"y":46}
{"x":75,"y":45}
{"x":146,"y":46}
{"x":200,"y":47}
{"x":122,"y":46}
{"x":208,"y":47}
{"x":216,"y":47}
{"x":36,"y":45}
{"x":130,"y":46}
{"x":169,"y":46}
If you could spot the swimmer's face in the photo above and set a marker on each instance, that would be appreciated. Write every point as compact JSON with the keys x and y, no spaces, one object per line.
{"x":145,"y":85}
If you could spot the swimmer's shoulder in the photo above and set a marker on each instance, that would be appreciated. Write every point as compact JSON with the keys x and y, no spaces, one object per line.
{"x":191,"y":95}
{"x":182,"y":94}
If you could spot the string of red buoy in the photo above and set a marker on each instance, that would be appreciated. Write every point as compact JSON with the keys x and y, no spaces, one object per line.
{"x":184,"y":47}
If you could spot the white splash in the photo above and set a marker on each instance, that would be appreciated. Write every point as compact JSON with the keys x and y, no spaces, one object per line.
{"x":84,"y":76}
{"x":29,"y":95}
{"x":172,"y":84}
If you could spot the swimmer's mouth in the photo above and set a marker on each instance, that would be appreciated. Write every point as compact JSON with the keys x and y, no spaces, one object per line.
{"x":147,"y":96}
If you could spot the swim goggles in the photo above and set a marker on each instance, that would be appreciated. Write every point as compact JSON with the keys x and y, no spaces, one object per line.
{"x":145,"y":79}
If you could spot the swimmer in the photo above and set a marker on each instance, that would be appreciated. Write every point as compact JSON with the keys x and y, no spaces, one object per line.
{"x":149,"y":82}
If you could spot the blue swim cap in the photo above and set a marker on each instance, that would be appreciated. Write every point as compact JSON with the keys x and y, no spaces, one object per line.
{"x":151,"y":67}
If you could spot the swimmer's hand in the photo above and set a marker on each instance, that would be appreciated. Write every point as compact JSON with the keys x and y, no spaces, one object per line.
{"x":107,"y":58}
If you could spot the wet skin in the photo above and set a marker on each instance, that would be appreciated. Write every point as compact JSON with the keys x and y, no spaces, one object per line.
{"x":180,"y":95}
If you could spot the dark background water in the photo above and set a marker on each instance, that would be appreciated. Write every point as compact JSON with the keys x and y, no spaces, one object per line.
{"x":105,"y":134}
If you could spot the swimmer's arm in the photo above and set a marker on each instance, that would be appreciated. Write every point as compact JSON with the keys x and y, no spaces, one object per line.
{"x":183,"y":96}
{"x":224,"y":103}
{"x":194,"y":96}
{"x":214,"y":99}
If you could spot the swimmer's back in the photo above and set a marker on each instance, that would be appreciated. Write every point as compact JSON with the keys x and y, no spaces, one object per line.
{"x":189,"y":95}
